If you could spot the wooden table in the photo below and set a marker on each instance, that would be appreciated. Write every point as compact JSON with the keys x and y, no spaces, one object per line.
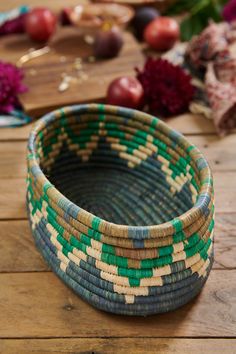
{"x":39,"y":314}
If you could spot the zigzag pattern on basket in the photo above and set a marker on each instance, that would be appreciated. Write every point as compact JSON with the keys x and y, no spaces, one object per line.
{"x":121,"y":207}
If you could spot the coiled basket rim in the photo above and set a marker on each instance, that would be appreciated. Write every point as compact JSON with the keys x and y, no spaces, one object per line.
{"x":99,"y":224}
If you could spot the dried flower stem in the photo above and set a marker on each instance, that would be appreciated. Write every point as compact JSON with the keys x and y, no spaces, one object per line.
{"x":32,"y":55}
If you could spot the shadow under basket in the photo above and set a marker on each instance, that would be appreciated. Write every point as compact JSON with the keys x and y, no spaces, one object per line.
{"x":121,"y":207}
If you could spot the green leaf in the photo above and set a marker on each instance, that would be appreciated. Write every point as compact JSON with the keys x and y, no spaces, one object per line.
{"x":198,"y":19}
{"x":181,"y":6}
{"x":194,"y":6}
{"x":200,"y":6}
{"x":190,"y":26}
{"x":211,"y":11}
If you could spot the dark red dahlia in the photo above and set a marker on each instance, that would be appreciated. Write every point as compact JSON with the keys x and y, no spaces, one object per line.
{"x":10,"y":86}
{"x":167,"y":87}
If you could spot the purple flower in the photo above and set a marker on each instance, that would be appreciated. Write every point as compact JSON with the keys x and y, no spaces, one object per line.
{"x":15,"y":25}
{"x":10,"y":86}
{"x":229,"y":11}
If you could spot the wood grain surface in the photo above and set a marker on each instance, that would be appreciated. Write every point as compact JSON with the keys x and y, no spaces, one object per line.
{"x":39,"y":314}
{"x":125,"y":345}
{"x":43,"y":75}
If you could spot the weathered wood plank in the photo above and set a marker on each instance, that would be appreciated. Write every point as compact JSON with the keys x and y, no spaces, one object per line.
{"x":67,"y":43}
{"x":225,"y":241}
{"x":45,"y":307}
{"x":118,"y":346}
{"x":13,"y":159}
{"x":225,"y":191}
{"x":16,"y":134}
{"x":12,"y":195}
{"x":220,"y":152}
{"x":13,"y":198}
{"x":19,"y":254}
{"x":189,"y":123}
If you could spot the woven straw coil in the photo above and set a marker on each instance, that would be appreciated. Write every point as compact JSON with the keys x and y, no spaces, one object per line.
{"x":121,"y":207}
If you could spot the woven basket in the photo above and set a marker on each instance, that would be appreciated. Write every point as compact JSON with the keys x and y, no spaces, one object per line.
{"x":121,"y":207}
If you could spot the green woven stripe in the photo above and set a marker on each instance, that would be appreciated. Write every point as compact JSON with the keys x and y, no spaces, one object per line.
{"x":163,"y":251}
{"x":124,"y":272}
{"x":177,"y":224}
{"x":130,"y":169}
{"x":122,"y":262}
{"x":87,"y":133}
{"x":95,"y":223}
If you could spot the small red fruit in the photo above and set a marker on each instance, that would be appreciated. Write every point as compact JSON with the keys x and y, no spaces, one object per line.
{"x":125,"y":91}
{"x":162,"y":33}
{"x":40,"y":23}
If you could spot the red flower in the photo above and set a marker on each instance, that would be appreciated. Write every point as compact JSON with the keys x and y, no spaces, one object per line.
{"x":167,"y":88}
{"x":10,"y":86}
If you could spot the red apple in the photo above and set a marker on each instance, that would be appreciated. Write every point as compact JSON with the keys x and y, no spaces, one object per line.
{"x":125,"y":91}
{"x":40,"y":23}
{"x":162,"y":33}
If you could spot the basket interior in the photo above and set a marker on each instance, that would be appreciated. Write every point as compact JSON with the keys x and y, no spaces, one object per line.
{"x":118,"y":170}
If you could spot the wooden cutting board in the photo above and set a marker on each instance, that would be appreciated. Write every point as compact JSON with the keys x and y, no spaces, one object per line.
{"x":43,"y":75}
